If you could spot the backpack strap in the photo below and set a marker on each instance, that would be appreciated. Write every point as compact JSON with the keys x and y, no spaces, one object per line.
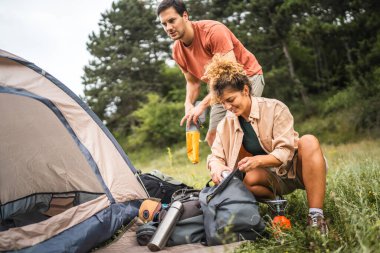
{"x":219,"y":188}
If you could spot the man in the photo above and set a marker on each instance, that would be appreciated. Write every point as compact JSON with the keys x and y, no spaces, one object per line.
{"x":195,"y":45}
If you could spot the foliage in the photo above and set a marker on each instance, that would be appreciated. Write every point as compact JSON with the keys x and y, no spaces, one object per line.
{"x":127,"y":59}
{"x":157,"y":123}
{"x":319,"y":56}
{"x":312,"y":48}
{"x":174,"y":82}
{"x":352,"y":204}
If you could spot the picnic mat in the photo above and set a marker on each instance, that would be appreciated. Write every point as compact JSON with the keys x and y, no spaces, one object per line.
{"x":127,"y":242}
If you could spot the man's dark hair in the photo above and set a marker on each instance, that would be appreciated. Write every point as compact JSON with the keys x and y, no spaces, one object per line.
{"x":178,"y":5}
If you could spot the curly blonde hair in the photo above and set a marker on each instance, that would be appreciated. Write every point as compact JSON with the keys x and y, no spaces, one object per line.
{"x":225,"y":74}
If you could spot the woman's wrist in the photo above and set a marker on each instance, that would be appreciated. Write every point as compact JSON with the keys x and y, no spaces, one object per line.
{"x":212,"y":165}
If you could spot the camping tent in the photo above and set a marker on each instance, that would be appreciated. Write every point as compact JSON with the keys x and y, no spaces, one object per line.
{"x":65,"y":182}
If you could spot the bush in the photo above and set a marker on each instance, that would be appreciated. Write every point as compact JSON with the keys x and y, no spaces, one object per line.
{"x":345,"y":116}
{"x":335,"y":128}
{"x":157,"y":124}
{"x":341,"y":100}
{"x":352,"y":206}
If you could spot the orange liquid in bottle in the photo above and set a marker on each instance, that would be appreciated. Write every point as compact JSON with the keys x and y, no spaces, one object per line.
{"x":192,"y":144}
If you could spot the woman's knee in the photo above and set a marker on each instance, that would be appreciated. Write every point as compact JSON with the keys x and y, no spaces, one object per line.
{"x":261,"y":191}
{"x":308,"y":143}
{"x":256,"y":177}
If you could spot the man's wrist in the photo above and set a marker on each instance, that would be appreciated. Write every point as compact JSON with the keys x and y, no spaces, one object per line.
{"x":188,"y":103}
{"x":203,"y":105}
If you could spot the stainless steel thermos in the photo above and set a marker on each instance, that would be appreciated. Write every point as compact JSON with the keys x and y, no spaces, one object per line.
{"x":166,"y":227}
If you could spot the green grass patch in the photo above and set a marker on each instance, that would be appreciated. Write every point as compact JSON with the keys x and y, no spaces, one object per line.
{"x":173,"y":161}
{"x":352,"y":204}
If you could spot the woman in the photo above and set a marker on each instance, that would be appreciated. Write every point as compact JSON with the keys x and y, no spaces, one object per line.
{"x":258,"y":138}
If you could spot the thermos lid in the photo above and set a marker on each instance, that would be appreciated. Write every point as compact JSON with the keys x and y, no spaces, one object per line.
{"x":177,"y":204}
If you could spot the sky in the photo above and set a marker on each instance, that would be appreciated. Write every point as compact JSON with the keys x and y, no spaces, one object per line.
{"x":52,"y":34}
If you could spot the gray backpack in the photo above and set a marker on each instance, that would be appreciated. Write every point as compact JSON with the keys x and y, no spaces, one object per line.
{"x":230,"y":212}
{"x":189,"y":228}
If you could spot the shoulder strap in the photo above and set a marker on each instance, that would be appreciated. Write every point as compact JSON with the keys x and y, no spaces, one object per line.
{"x":219,"y":188}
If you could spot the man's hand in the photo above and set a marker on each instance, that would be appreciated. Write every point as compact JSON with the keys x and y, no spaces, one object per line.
{"x":216,"y":173}
{"x":188,"y":114}
{"x":192,"y":114}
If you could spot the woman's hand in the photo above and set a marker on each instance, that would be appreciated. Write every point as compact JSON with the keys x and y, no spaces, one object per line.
{"x":259,"y":161}
{"x":216,"y":173}
{"x":250,"y":163}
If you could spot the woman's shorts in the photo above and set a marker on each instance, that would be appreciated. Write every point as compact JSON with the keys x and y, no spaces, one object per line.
{"x":291,"y":181}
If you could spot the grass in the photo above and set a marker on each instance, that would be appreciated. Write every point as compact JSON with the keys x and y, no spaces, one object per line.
{"x":173,"y":161}
{"x":352,"y":204}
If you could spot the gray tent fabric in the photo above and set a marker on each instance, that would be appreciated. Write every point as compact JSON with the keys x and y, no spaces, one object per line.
{"x":30,"y":144}
{"x":53,"y":147}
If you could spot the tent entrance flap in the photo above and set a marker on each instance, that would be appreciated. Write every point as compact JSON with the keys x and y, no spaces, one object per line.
{"x":37,"y":153}
{"x":39,"y":161}
{"x":39,"y":207}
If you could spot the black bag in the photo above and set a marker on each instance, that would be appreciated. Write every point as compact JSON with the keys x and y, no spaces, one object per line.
{"x":161,"y":186}
{"x":230,"y":212}
{"x":145,"y":232}
{"x":189,"y":228}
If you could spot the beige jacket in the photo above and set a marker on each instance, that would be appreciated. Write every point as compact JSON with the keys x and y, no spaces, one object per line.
{"x":273,"y":124}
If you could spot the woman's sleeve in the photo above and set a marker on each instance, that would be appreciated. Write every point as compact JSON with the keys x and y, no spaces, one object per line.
{"x":217,"y":152}
{"x":283,"y":134}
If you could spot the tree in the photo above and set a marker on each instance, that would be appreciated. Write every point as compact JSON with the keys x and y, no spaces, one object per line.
{"x":322,"y":53}
{"x":128,"y":54}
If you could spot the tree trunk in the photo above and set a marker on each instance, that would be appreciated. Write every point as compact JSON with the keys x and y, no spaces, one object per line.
{"x":292,"y":73}
{"x":351,"y":62}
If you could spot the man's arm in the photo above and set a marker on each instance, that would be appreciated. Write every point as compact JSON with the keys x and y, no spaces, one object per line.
{"x":198,"y":110}
{"x":193,"y":87}
{"x":230,"y":55}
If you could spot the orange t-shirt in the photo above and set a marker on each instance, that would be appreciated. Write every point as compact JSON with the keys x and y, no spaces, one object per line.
{"x":212,"y":37}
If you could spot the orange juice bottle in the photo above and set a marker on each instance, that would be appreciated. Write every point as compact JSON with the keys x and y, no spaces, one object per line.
{"x":192,"y":144}
{"x":193,"y":137}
